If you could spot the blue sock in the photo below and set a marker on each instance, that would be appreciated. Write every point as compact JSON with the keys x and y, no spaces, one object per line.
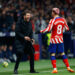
{"x":53,"y":58}
{"x":64,"y":57}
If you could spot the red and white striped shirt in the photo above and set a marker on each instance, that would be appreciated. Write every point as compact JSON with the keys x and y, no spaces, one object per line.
{"x":56,"y":25}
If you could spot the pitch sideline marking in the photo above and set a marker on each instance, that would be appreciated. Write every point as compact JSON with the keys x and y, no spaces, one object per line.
{"x":44,"y":72}
{"x":21,"y":69}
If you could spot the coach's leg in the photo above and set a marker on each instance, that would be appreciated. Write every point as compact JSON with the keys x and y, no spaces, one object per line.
{"x":30,"y":51}
{"x":17,"y":62}
{"x":53,"y":61}
{"x":19,"y":56}
{"x":31,"y":62}
{"x":65,"y":60}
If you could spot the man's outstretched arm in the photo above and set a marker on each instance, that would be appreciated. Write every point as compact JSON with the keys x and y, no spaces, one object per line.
{"x":48,"y":28}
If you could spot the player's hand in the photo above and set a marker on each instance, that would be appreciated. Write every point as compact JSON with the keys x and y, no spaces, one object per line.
{"x":27,"y":38}
{"x":33,"y":41}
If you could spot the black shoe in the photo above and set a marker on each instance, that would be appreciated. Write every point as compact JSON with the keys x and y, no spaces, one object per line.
{"x":15,"y":72}
{"x":33,"y":72}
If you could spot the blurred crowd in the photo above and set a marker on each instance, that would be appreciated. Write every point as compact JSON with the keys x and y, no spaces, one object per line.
{"x":6,"y":54}
{"x":11,"y":10}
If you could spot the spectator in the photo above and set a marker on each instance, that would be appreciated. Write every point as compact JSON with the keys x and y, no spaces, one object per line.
{"x":11,"y":10}
{"x":5,"y":54}
{"x":1,"y":56}
{"x":15,"y":8}
{"x":40,"y":23}
{"x":70,"y":23}
{"x":10,"y":54}
{"x":73,"y":28}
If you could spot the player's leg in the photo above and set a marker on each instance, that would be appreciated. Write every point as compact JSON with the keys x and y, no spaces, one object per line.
{"x":65,"y":60}
{"x":53,"y":61}
{"x":52,"y":50}
{"x":64,"y":57}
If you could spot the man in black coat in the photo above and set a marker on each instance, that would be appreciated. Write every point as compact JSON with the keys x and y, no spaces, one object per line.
{"x":23,"y":41}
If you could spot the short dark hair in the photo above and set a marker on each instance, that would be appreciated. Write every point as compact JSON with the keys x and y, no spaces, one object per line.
{"x":25,"y":12}
{"x":54,"y":12}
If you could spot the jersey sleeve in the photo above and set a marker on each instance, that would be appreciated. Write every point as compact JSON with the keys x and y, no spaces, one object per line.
{"x":66,"y":26}
{"x":48,"y":28}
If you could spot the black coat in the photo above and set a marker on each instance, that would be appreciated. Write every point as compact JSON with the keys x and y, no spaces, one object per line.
{"x":23,"y":28}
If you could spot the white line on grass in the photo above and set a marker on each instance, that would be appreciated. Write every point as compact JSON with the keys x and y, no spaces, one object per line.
{"x":7,"y":70}
{"x":50,"y":71}
{"x":44,"y":72}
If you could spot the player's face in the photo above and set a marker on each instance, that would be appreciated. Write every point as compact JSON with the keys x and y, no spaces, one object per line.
{"x":28,"y":16}
{"x":53,"y":14}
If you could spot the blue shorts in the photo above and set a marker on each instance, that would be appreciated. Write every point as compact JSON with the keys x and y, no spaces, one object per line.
{"x":56,"y":47}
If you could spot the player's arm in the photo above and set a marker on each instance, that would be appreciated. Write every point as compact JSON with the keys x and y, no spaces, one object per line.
{"x":48,"y":28}
{"x":66,"y":26}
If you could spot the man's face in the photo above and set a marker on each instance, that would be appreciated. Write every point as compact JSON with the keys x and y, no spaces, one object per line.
{"x":53,"y":13}
{"x":28,"y":16}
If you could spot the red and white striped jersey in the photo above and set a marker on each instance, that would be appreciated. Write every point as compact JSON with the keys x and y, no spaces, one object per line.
{"x":56,"y":25}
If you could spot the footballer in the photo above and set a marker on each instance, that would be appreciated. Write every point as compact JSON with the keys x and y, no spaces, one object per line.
{"x":57,"y":25}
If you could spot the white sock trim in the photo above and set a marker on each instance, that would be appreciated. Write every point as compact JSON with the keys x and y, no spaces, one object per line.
{"x":68,"y":67}
{"x":55,"y":68}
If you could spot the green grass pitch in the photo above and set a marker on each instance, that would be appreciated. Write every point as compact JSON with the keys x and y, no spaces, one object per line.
{"x":44,"y":67}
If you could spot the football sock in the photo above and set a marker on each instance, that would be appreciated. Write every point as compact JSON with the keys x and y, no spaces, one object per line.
{"x":65,"y":60}
{"x":53,"y":61}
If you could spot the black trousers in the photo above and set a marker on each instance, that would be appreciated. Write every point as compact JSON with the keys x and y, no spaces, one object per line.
{"x":25,"y":49}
